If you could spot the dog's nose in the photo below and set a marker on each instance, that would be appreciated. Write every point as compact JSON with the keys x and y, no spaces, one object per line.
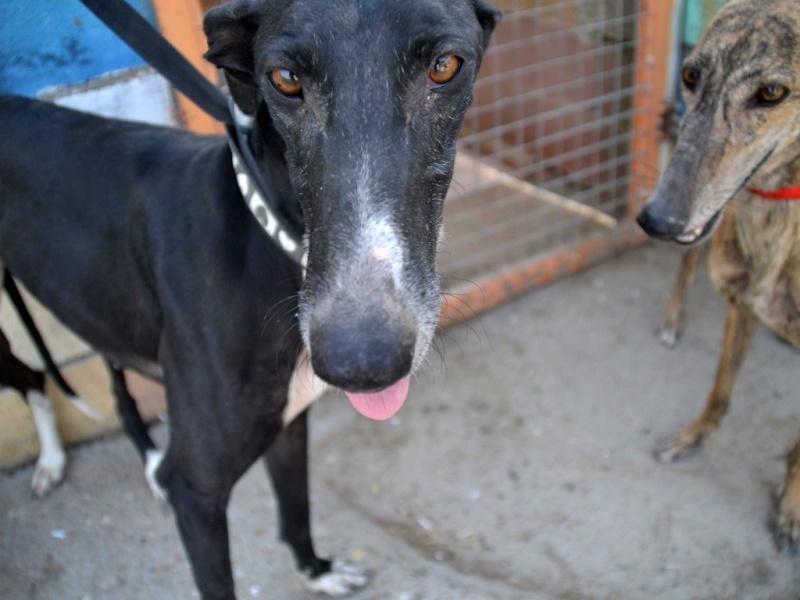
{"x":365,"y":355}
{"x":660,"y":224}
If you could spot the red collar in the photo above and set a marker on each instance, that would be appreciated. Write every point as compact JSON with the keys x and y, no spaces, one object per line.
{"x":792,"y":193}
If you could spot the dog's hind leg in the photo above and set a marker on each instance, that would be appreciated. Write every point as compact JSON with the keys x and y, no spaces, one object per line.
{"x":49,"y":364}
{"x":287,"y":463}
{"x":786,"y":521}
{"x":137,"y":430}
{"x":52,"y":459}
{"x":673,"y":314}
{"x":740,"y":325}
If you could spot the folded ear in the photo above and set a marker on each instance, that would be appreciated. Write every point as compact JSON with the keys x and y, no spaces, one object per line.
{"x":230,"y":29}
{"x":488,"y":17}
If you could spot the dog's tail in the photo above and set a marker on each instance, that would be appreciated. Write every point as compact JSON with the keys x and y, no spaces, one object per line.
{"x":49,"y":364}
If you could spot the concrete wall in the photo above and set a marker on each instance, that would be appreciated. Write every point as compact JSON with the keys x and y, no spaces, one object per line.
{"x":59,"y":50}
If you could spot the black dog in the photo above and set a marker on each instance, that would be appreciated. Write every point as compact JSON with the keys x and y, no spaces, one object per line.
{"x":138,"y":239}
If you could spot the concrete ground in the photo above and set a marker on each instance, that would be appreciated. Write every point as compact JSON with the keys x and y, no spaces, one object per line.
{"x":520,"y":468}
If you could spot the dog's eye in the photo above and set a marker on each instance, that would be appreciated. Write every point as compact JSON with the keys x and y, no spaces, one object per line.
{"x":445,"y":69}
{"x":771,"y":94}
{"x":286,"y":82}
{"x":690,"y":77}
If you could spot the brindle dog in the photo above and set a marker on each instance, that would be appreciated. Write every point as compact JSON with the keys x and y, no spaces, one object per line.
{"x":737,"y":153}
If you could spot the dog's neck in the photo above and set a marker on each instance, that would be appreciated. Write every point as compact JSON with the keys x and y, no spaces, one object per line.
{"x":782,"y":184}
{"x":782,"y":194}
{"x":260,"y":169}
{"x":268,"y":147}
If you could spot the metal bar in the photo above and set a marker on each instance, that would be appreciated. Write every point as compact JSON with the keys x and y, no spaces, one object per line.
{"x":651,"y":76}
{"x":467,"y":300}
{"x":500,"y":177}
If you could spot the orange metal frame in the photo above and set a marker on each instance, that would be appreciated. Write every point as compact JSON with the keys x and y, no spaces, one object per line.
{"x":181,"y":22}
{"x":651,"y":73}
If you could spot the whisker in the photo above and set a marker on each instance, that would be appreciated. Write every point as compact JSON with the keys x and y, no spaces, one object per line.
{"x":280,"y":309}
{"x":464,"y":319}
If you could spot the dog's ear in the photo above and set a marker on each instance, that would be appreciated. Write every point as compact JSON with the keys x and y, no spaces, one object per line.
{"x":488,"y":17}
{"x":230,"y":29}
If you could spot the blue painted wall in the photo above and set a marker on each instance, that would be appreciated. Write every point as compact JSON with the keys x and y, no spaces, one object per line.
{"x":697,"y":16}
{"x":45,"y":43}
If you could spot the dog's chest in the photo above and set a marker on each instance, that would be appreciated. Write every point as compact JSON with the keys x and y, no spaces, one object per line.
{"x":304,"y":388}
{"x":755,"y":262}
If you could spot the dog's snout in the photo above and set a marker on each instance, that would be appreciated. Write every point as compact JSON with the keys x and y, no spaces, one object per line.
{"x":362,"y":353}
{"x":659,"y":223}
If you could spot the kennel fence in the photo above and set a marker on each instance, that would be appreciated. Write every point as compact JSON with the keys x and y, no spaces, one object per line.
{"x":559,"y":148}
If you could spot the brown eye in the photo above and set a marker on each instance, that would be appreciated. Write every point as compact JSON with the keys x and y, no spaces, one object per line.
{"x":445,"y":69}
{"x":771,"y":94}
{"x":286,"y":82}
{"x":690,"y":77}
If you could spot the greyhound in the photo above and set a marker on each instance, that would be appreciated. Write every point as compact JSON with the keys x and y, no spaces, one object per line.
{"x":737,"y":159}
{"x":139,"y":240}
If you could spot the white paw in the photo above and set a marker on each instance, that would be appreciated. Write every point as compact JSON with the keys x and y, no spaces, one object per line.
{"x":152,"y":462}
{"x":49,"y":472}
{"x":52,"y":458}
{"x":342,"y":580}
{"x":668,"y":336}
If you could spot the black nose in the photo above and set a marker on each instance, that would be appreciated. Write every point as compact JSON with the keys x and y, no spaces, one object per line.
{"x":362,"y":354}
{"x":659,"y":223}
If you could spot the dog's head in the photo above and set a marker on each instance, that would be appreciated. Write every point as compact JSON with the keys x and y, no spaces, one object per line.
{"x":368,"y":97}
{"x":742,"y":123}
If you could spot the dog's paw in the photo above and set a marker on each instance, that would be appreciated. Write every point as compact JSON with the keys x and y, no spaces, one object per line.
{"x":342,"y":580}
{"x":786,"y":531}
{"x":153,"y":460}
{"x":786,"y":520}
{"x":48,"y":473}
{"x":668,"y":334}
{"x":680,"y":445}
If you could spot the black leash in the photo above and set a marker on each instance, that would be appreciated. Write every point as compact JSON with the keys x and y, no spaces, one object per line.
{"x":132,"y":28}
{"x":50,"y":366}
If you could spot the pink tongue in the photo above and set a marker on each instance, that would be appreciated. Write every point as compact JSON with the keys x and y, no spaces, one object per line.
{"x":382,"y":405}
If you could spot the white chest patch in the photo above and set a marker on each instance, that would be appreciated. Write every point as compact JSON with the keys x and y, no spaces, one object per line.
{"x":304,"y":388}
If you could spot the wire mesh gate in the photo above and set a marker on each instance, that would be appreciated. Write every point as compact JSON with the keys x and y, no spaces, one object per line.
{"x":558,"y":149}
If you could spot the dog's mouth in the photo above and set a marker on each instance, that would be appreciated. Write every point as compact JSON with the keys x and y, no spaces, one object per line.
{"x":381,"y":405}
{"x":700,"y":232}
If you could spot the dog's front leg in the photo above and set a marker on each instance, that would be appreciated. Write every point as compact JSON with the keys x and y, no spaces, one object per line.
{"x":134,"y":426}
{"x":673,"y":314}
{"x":197,"y":473}
{"x":786,"y":522}
{"x":137,"y":430}
{"x":203,"y":526}
{"x":287,"y":463}
{"x":740,"y":326}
